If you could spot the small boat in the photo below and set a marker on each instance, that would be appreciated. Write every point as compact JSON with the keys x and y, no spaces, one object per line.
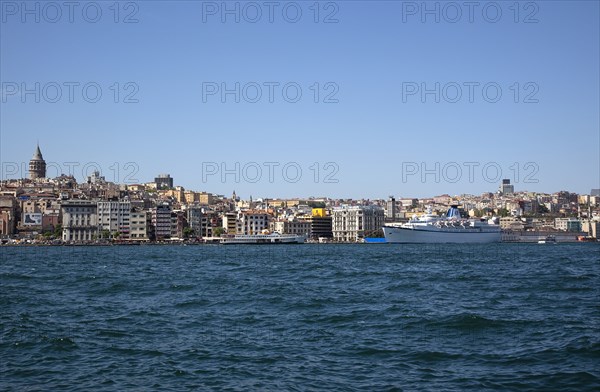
{"x":582,"y":238}
{"x":549,"y":239}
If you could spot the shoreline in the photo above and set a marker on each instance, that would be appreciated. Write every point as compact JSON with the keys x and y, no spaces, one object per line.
{"x":306,"y":243}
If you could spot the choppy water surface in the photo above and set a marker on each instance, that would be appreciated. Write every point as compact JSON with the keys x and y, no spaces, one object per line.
{"x":305,"y":317}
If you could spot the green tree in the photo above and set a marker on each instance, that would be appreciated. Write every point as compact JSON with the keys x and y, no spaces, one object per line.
{"x":105,"y":234}
{"x":502,"y":212}
{"x":187,"y":232}
{"x":58,"y":231}
{"x":218,"y":231}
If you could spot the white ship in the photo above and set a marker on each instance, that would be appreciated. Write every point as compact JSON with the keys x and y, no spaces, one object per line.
{"x":256,"y":239}
{"x":451,"y":228}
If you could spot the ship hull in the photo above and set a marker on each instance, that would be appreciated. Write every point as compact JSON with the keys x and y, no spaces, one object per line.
{"x":403,"y":235}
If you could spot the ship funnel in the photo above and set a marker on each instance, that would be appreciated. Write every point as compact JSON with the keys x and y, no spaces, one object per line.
{"x":453,"y":213}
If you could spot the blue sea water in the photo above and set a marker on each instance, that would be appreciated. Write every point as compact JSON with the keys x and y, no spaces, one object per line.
{"x":301,"y":317}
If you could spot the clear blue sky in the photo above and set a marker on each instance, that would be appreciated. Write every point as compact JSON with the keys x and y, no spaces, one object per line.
{"x":374,"y":134}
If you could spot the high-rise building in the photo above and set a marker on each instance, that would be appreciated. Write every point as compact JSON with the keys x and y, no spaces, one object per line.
{"x":391,"y":209}
{"x":320,"y":224}
{"x":37,"y":165}
{"x":506,"y":188}
{"x":164,"y":181}
{"x":161,"y":221}
{"x":114,"y":216}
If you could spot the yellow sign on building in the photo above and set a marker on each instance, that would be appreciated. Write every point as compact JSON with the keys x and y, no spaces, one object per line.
{"x":320,"y":212}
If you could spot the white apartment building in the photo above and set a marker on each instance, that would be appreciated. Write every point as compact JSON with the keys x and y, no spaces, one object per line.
{"x":79,"y":219}
{"x":351,"y":223}
{"x":114,"y":216}
{"x":253,"y":221}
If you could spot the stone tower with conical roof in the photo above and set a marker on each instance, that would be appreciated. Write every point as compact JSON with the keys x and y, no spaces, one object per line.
{"x":37,"y":165}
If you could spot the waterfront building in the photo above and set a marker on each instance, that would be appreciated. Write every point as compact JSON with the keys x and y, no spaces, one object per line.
{"x":138,"y":225}
{"x":32,"y":211}
{"x":253,"y":221}
{"x":51,"y":218}
{"x":592,"y":228}
{"x":230,"y":222}
{"x":297,"y":227}
{"x":567,"y":224}
{"x":161,"y":221}
{"x":194,"y":217}
{"x":202,"y":220}
{"x":114,"y":216}
{"x":512,"y":223}
{"x":352,"y":223}
{"x":79,"y":219}
{"x":8,"y":211}
{"x":320,"y":224}
{"x":178,"y":223}
{"x":37,"y":165}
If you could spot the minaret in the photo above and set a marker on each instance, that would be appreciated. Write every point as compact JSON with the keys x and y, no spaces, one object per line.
{"x":37,"y":165}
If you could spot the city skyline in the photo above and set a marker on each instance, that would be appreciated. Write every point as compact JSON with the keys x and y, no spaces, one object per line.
{"x":37,"y":167}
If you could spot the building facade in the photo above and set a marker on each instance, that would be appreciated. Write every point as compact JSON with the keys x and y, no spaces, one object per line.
{"x":115,"y":217}
{"x":79,"y":220}
{"x":567,"y":224}
{"x":391,"y":209}
{"x":138,"y":225}
{"x":352,"y":223}
{"x":253,"y":222}
{"x":296,"y":227}
{"x":230,"y":222}
{"x":506,"y":188}
{"x":163,"y":181}
{"x":161,"y":221}
{"x":8,"y":218}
